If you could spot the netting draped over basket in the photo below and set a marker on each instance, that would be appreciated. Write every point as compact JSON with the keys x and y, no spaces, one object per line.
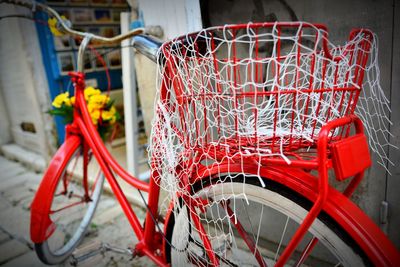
{"x":261,"y":90}
{"x":237,"y":94}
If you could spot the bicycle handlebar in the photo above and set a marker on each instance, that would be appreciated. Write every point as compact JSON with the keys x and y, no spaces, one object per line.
{"x":65,"y":25}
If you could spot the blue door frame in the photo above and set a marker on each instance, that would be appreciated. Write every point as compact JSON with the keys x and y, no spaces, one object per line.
{"x":59,"y":83}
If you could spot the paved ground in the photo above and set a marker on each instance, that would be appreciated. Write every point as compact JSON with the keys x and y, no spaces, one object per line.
{"x":17,"y":188}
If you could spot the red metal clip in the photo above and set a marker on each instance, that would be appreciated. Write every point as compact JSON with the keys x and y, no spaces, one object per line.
{"x":350,"y":156}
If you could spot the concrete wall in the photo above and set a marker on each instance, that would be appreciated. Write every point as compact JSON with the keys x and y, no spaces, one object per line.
{"x":341,"y":16}
{"x":176,"y":18}
{"x":23,"y":84}
{"x":5,"y":134}
{"x":393,"y":181}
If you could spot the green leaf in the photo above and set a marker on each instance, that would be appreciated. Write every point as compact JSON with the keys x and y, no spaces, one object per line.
{"x":109,"y":104}
{"x":57,"y":112}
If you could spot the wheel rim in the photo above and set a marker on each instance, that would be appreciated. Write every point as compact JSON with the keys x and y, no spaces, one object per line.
{"x":331,"y":250}
{"x":72,"y":209}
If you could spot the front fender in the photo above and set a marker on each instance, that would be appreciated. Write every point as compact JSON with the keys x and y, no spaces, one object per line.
{"x":41,"y":225}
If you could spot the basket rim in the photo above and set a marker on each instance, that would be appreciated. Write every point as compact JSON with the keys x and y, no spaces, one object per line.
{"x":320,"y":27}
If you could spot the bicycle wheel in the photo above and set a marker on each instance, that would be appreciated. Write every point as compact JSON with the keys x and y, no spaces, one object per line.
{"x":74,"y":202}
{"x":268,"y":216}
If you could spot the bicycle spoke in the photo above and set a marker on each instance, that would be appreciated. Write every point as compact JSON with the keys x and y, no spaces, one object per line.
{"x":248,"y":218}
{"x":68,"y":206}
{"x":259,"y":227}
{"x":306,"y":252}
{"x":95,"y":182}
{"x":281,"y":240}
{"x":223,"y":259}
{"x":279,"y":217}
{"x":67,"y":177}
{"x":247,"y":239}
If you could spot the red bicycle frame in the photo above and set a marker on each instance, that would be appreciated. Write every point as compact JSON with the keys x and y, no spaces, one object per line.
{"x":294,"y":176}
{"x":82,"y":130}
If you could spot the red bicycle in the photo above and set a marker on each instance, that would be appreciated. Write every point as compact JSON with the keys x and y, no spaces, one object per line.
{"x":249,"y":120}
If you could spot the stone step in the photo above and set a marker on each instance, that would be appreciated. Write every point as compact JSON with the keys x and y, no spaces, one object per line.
{"x":12,"y":249}
{"x":4,"y":204}
{"x":11,"y":170}
{"x":17,"y":194}
{"x":16,"y":222}
{"x":14,"y":181}
{"x":19,"y":186}
{"x":31,"y":159}
{"x":28,"y":179}
{"x":107,"y":216}
{"x":29,"y":259}
{"x":105,"y":204}
{"x":4,"y":237}
{"x":25,"y":204}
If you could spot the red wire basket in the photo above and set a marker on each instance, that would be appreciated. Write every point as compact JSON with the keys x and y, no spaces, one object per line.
{"x":262,"y":88}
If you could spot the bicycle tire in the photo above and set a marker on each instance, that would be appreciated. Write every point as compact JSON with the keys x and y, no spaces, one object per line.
{"x":274,"y":197}
{"x":77,"y":217}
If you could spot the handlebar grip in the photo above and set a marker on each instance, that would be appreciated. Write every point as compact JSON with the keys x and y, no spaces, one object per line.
{"x":147,"y":46}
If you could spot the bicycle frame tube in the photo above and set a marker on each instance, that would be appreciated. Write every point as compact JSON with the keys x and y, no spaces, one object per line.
{"x":107,"y":164}
{"x":84,"y":132}
{"x":93,"y":140}
{"x":82,"y":127}
{"x":83,"y":121}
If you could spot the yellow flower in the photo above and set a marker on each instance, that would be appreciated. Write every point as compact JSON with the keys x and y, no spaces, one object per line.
{"x":52,"y":22}
{"x":72,"y":99}
{"x":91,"y":107}
{"x":90,"y":91}
{"x":109,"y":115}
{"x":98,"y":101}
{"x":95,"y":115}
{"x":61,"y":99}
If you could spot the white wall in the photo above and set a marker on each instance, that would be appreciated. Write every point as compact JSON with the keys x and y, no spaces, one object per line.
{"x":23,"y":83}
{"x":176,"y":18}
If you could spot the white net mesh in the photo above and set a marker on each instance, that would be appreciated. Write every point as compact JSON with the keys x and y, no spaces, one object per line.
{"x":231,"y":96}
